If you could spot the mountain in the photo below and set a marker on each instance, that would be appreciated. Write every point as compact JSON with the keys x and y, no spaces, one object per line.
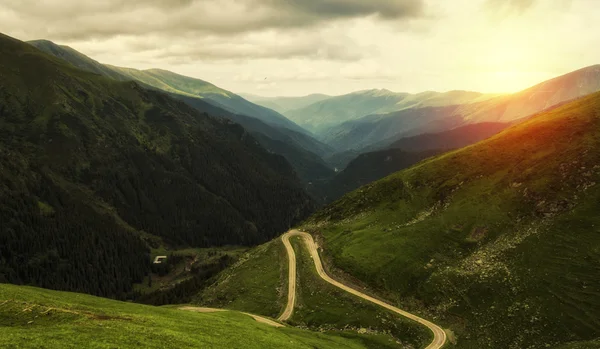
{"x":371,"y":131}
{"x":37,"y":318}
{"x":501,"y":237}
{"x":170,"y":82}
{"x":445,"y":140}
{"x":377,"y":162}
{"x":285,"y":104}
{"x":77,"y":59}
{"x":537,"y":98}
{"x":453,"y":139}
{"x":369,"y":167}
{"x":183,"y":85}
{"x":89,"y":164}
{"x":299,"y":149}
{"x":277,"y":135}
{"x":320,"y":116}
{"x":374,"y":129}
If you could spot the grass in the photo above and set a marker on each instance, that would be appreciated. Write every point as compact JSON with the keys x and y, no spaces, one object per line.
{"x":172,"y":82}
{"x":38,"y":318}
{"x":257,"y":283}
{"x":500,"y":238}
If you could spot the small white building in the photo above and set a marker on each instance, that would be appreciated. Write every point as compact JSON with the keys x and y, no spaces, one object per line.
{"x":159,"y":259}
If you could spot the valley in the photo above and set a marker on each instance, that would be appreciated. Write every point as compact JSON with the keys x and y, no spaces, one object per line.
{"x":405,"y":174}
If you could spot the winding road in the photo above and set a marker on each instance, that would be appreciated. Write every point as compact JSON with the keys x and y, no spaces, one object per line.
{"x":439,"y":336}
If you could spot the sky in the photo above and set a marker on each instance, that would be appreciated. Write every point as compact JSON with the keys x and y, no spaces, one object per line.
{"x":299,"y":47}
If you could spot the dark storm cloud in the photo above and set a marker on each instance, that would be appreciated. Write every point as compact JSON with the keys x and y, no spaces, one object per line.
{"x":79,"y":20}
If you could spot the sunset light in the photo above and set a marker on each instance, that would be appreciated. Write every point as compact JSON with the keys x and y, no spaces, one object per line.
{"x":300,"y":174}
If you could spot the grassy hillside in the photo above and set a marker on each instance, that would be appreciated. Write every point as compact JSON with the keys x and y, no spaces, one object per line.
{"x":257,"y":283}
{"x":38,"y":318}
{"x":77,"y":59}
{"x":90,"y":165}
{"x":171,"y":82}
{"x":498,"y":238}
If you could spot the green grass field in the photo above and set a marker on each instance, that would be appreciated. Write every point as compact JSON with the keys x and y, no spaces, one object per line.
{"x":257,"y":283}
{"x":502,"y":237}
{"x":39,"y":318}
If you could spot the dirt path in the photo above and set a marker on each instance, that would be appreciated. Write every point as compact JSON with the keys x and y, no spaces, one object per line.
{"x":258,"y":318}
{"x":439,"y":336}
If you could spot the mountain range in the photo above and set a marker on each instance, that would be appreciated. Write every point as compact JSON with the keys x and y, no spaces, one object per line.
{"x":377,"y":128}
{"x":274,"y":131}
{"x":286,"y":104}
{"x":320,"y":116}
{"x":91,"y":163}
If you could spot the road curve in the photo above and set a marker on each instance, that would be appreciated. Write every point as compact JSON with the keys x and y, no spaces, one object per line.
{"x":258,"y":318}
{"x":439,"y":336}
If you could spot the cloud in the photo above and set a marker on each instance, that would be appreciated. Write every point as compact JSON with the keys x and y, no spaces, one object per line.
{"x":509,"y":6}
{"x":327,"y":46}
{"x":79,"y":20}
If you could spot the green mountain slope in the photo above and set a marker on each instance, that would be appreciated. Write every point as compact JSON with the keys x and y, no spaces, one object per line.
{"x":77,"y":59}
{"x":183,"y":85}
{"x":169,"y":82}
{"x":92,"y":164}
{"x":431,"y":118}
{"x":445,"y":140}
{"x":38,"y":318}
{"x":502,"y":237}
{"x":369,"y":167}
{"x":361,"y":169}
{"x":320,"y":116}
{"x":452,"y":139}
{"x":299,"y":148}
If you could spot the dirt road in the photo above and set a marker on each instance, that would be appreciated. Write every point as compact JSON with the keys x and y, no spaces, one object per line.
{"x":258,"y":318}
{"x":439,"y":336}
